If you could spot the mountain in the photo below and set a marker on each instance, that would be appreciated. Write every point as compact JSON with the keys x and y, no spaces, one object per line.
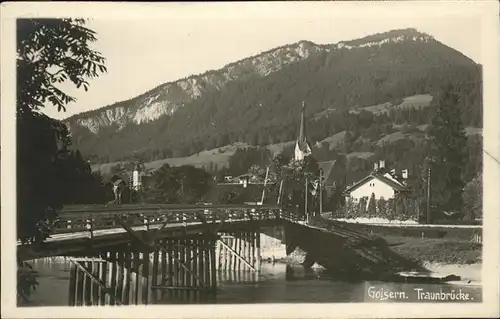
{"x":167,"y":98}
{"x":355,"y":86}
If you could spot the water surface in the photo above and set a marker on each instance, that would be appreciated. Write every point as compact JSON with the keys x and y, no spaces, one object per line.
{"x":277,"y":283}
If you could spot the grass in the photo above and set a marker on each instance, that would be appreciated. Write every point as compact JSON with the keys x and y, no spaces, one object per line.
{"x":334,"y":140}
{"x":415,"y":101}
{"x":363,"y":155}
{"x":218,"y":156}
{"x":436,"y":250}
{"x":451,"y":250}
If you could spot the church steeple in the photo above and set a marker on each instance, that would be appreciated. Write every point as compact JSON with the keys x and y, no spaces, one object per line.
{"x":302,"y":132}
{"x":302,"y":148}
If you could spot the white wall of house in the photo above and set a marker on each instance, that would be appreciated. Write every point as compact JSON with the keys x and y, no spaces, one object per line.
{"x":379,"y":188}
{"x":136,"y":180}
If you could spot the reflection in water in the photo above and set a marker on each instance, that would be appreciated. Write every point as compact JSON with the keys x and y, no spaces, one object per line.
{"x":277,"y":283}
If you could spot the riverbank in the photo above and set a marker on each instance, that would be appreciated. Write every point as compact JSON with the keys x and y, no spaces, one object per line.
{"x":450,"y":248}
{"x":436,"y":250}
{"x":446,"y":253}
{"x":443,"y":256}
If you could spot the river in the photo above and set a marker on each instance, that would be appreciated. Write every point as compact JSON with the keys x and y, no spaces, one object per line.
{"x":277,"y":283}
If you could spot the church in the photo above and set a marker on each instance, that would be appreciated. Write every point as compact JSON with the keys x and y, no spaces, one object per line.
{"x":302,"y":148}
{"x":331,"y":170}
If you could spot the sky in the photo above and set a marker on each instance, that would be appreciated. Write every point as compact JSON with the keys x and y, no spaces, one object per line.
{"x":144,"y":53}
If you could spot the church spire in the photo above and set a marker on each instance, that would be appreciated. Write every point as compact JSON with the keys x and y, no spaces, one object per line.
{"x":302,"y":132}
{"x":302,"y":148}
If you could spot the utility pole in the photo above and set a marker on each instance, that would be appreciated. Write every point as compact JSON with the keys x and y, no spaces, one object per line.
{"x":280,"y":192}
{"x":264,"y":189}
{"x":320,"y":192}
{"x":428,"y":215}
{"x":305,"y":206}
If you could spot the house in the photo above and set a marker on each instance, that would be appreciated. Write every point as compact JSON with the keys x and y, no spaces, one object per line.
{"x":380,"y":182}
{"x":243,"y":179}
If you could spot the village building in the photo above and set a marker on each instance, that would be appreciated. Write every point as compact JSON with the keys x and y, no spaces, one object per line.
{"x":332,"y":171}
{"x":302,"y":148}
{"x":380,"y":182}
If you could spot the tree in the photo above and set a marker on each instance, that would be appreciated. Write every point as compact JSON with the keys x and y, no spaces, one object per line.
{"x":372,"y":208}
{"x":229,"y":197}
{"x":182,"y":185}
{"x":473,"y":198}
{"x":381,"y":207}
{"x":40,"y":181}
{"x":50,"y":52}
{"x":294,"y":176}
{"x":448,"y":145}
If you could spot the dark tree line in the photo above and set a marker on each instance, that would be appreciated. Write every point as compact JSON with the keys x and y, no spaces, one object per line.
{"x":177,"y":185}
{"x":49,"y":52}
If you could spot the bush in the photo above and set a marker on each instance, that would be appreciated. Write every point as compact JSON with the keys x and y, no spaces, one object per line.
{"x":473,"y":198}
{"x":381,"y":207}
{"x":391,"y":209}
{"x":372,"y":206}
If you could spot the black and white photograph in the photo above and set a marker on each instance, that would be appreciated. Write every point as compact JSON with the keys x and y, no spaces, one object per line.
{"x":244,"y":155}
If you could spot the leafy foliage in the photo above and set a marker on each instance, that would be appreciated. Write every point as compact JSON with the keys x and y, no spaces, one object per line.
{"x":448,"y":150}
{"x":180,"y":185}
{"x":44,"y":161}
{"x":295,"y":176}
{"x":398,"y":208}
{"x":39,"y":181}
{"x":473,"y":198}
{"x":26,"y":282}
{"x":49,"y":174}
{"x":372,"y":208}
{"x":49,"y":52}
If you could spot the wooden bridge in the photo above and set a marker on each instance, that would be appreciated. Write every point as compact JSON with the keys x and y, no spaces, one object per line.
{"x":129,"y":254}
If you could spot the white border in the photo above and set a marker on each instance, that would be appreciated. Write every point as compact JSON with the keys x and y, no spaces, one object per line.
{"x":488,"y":10}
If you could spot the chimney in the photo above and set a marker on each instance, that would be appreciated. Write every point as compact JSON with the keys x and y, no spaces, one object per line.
{"x":404,"y":173}
{"x":382,"y":164}
{"x":375,"y":166}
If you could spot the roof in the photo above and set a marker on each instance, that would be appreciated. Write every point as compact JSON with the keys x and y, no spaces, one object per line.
{"x":327,"y":168}
{"x":303,"y":146}
{"x":388,"y":180}
{"x":302,"y":129}
{"x":302,"y":143}
{"x":118,"y":182}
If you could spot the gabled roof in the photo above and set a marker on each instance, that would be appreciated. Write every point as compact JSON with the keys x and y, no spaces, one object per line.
{"x":302,"y":129}
{"x":327,"y":168}
{"x":302,"y":144}
{"x":388,"y":180}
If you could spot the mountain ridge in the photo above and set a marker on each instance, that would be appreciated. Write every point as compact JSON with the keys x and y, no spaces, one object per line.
{"x":256,"y":100}
{"x":193,"y":78}
{"x":303,"y":46}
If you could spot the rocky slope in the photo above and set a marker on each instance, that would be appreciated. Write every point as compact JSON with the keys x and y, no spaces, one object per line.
{"x":256,"y":100}
{"x":167,"y":98}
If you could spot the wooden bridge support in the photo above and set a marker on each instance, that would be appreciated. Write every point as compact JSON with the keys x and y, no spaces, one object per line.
{"x":184,"y":269}
{"x":239,"y":251}
{"x":175,"y":270}
{"x":117,"y":277}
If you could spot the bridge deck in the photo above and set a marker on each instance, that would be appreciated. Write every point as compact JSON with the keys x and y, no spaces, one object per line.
{"x":96,"y":226}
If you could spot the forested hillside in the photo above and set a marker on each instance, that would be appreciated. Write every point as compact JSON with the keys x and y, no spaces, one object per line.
{"x":337,"y":82}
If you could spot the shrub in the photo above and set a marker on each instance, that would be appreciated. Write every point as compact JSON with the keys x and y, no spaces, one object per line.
{"x":372,"y":208}
{"x":381,"y":207}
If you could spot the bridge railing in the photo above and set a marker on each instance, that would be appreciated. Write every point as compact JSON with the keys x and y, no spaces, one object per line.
{"x":81,"y":218}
